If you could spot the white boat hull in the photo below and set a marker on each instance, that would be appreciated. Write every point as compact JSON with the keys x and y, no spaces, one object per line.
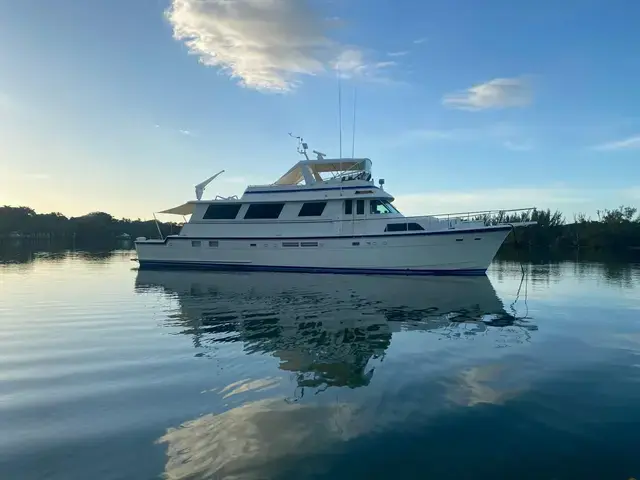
{"x":459,"y":252}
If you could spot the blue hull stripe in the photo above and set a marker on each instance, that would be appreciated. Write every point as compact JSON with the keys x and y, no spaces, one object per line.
{"x":301,"y":190}
{"x":159,"y":264}
{"x":340,"y":237}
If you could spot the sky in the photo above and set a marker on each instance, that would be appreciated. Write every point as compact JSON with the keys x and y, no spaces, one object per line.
{"x":123,"y":106}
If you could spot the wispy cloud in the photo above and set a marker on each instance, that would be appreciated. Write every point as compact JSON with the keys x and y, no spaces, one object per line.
{"x":398,"y":54}
{"x":570,"y":199}
{"x":508,"y":136}
{"x":265,"y":45}
{"x":496,"y":93}
{"x":351,"y":64}
{"x":181,"y":131}
{"x":418,"y":41}
{"x":625,"y":144}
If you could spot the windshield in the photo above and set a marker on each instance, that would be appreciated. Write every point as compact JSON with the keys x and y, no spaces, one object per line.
{"x":382,"y":207}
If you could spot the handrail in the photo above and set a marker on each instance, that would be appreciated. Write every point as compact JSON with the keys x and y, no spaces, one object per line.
{"x":479,"y":212}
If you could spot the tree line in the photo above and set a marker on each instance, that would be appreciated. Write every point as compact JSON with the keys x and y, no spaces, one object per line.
{"x":613,"y":230}
{"x":93,"y":227}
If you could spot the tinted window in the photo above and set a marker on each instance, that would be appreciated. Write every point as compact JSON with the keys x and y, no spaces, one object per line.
{"x":195,"y":243}
{"x":396,"y":227}
{"x":264,"y":210}
{"x":360,"y":207}
{"x":348,"y":207}
{"x":415,"y":226}
{"x":312,"y":209}
{"x":378,"y":206}
{"x":222,"y":212}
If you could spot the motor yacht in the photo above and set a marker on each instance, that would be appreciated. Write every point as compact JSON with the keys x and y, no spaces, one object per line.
{"x":325,"y":216}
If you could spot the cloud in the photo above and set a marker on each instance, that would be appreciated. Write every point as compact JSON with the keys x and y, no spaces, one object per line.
{"x":496,"y":93}
{"x":626,"y":144}
{"x":571,"y":199}
{"x":508,"y":136}
{"x":398,"y":54}
{"x":187,"y":133}
{"x":418,"y":41}
{"x":351,"y":64}
{"x":267,"y":45}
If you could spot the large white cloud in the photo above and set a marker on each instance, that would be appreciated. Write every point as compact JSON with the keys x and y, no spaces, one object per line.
{"x":265,"y":44}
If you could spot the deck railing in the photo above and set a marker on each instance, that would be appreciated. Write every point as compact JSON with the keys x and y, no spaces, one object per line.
{"x":487,"y":217}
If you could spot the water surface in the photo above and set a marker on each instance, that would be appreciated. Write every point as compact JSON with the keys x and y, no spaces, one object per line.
{"x":109,"y":372}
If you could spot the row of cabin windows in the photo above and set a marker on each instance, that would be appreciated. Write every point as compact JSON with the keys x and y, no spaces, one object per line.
{"x":260,"y":211}
{"x":308,"y":209}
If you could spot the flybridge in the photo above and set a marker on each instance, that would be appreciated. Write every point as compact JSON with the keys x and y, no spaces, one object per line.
{"x":342,"y":168}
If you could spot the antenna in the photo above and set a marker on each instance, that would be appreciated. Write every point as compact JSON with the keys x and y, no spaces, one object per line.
{"x":340,"y":108}
{"x":302,"y":146}
{"x":353,"y":139}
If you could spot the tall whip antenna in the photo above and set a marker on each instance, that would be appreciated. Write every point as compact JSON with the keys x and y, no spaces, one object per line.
{"x":340,"y":108}
{"x":353,"y":139}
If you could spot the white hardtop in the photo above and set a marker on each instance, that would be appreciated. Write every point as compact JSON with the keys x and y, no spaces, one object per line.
{"x":310,"y":170}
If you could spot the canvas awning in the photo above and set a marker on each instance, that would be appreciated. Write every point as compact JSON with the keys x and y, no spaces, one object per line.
{"x":184,"y":209}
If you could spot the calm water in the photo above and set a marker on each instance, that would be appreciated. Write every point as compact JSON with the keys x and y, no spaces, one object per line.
{"x":111,"y":373}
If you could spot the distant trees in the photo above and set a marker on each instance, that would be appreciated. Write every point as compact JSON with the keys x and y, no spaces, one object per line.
{"x":96,"y":226}
{"x":617,"y":229}
{"x":614,"y":230}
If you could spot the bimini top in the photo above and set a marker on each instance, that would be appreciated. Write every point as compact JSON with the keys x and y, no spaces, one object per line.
{"x":310,"y":170}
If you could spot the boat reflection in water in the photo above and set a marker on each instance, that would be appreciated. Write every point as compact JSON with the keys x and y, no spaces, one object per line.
{"x":327,"y":330}
{"x":325,"y":327}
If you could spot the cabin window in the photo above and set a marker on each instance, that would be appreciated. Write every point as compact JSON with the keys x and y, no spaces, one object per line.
{"x":413,"y":227}
{"x":264,"y":210}
{"x":348,"y":207}
{"x":379,"y":206}
{"x":213,"y":243}
{"x":359,"y":207}
{"x":308,"y":244}
{"x":290,"y":244}
{"x":312,"y":209}
{"x":195,"y":243}
{"x":396,"y":227}
{"x":228,"y":211}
